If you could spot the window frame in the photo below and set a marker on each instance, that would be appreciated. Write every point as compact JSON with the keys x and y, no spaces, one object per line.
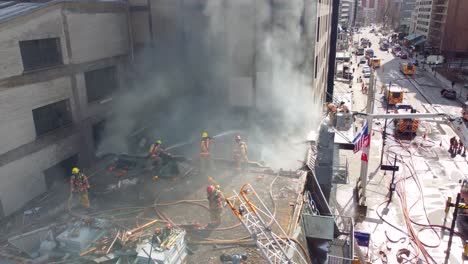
{"x":37,"y":56}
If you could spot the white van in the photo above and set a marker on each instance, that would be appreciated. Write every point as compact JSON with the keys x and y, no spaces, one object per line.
{"x":435,"y":59}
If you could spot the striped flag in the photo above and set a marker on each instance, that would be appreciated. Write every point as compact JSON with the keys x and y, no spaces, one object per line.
{"x":362,"y":139}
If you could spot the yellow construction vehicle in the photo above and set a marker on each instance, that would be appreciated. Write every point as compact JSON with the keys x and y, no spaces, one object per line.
{"x":374,"y":62}
{"x":407,"y":68}
{"x":393,"y":94}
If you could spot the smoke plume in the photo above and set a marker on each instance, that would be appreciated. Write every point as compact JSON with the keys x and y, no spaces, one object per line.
{"x":221,"y":65}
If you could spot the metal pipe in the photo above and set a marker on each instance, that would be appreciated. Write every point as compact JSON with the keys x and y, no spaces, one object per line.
{"x":452,"y":229}
{"x":133,"y":231}
{"x":404,"y":116}
{"x":392,"y":184}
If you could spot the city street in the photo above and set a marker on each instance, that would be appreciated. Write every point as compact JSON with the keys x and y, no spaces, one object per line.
{"x":427,"y":174}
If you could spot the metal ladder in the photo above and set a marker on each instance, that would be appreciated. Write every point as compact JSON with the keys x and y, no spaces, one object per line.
{"x":259,"y":222}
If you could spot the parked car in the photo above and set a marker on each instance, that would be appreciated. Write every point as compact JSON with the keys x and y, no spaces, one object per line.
{"x":348,"y":75}
{"x":362,"y":60}
{"x":403,"y":55}
{"x":366,"y":71}
{"x":449,"y":94}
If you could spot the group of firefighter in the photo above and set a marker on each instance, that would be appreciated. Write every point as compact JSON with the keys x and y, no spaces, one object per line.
{"x":79,"y":183}
{"x":456,"y":147}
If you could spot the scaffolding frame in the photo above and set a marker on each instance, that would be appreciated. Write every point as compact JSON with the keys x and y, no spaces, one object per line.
{"x":260,"y":223}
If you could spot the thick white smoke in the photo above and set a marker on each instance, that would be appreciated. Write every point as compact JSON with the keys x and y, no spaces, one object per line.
{"x":223,"y":57}
{"x":285,"y":100}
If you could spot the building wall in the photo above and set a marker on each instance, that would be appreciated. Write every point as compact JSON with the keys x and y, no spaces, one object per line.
{"x":45,"y":25}
{"x":16,"y":105}
{"x":23,"y":179}
{"x":322,"y":48}
{"x":98,"y":35}
{"x":406,"y":11}
{"x":455,"y":39}
{"x":423,"y":17}
{"x":140,"y":27}
{"x":345,"y":13}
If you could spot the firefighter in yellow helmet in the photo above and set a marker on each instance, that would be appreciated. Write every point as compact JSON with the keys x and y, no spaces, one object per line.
{"x":79,"y":184}
{"x":240,"y":153}
{"x":155,"y":152}
{"x":205,"y":155}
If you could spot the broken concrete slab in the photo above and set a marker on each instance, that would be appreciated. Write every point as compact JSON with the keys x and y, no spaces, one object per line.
{"x":30,"y":242}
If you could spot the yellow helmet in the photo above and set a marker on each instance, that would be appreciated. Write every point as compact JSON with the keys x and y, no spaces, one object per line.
{"x":204,"y":134}
{"x":75,"y":170}
{"x":159,"y":141}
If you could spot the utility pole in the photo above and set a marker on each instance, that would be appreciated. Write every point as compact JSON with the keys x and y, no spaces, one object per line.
{"x":392,"y":184}
{"x":366,"y":151}
{"x":452,"y":229}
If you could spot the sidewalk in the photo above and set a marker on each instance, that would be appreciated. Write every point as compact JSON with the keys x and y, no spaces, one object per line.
{"x":442,"y":82}
{"x":344,"y":200}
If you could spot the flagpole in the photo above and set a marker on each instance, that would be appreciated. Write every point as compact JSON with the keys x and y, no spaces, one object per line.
{"x":366,"y":151}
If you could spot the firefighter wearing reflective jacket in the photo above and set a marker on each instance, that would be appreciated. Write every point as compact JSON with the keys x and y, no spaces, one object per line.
{"x":205,"y":155}
{"x":461,"y":148}
{"x":79,"y":184}
{"x":215,"y":199}
{"x":453,"y":146}
{"x":155,"y":152}
{"x":240,"y":153}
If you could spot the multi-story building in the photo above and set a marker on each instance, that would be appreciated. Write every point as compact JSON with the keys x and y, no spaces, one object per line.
{"x":61,"y":64}
{"x":423,"y":10}
{"x":406,"y":10}
{"x":369,"y":11}
{"x":447,"y":26}
{"x":359,"y":13}
{"x":441,"y":22}
{"x":346,"y":13}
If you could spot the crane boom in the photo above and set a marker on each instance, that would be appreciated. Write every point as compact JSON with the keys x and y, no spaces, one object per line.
{"x":458,"y":124}
{"x":262,"y":225}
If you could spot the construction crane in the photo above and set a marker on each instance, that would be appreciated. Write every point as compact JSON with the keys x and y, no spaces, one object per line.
{"x":262,"y":225}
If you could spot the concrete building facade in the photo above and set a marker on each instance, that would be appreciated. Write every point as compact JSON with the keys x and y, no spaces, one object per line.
{"x":369,"y":11}
{"x":421,"y":17}
{"x":61,"y":63}
{"x":406,"y":11}
{"x":346,"y":15}
{"x":447,"y":26}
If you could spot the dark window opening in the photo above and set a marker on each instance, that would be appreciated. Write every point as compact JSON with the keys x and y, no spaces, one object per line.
{"x":98,"y":133}
{"x":60,"y":173}
{"x":40,"y":53}
{"x":316,"y":66}
{"x":52,"y":116}
{"x":100,"y":83}
{"x":318,"y":29}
